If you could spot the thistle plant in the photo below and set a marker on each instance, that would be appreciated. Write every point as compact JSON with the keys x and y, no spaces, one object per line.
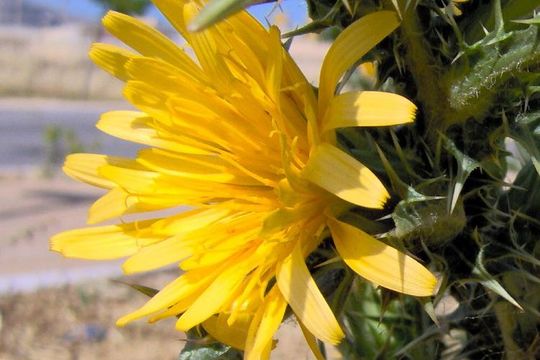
{"x":392,"y":217}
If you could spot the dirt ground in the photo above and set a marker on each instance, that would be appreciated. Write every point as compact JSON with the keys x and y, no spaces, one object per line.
{"x":76,"y":322}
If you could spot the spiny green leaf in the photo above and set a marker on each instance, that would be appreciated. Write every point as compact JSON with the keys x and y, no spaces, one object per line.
{"x":430,"y":310}
{"x":202,"y":347}
{"x":532,"y":21}
{"x":214,"y":351}
{"x":148,"y":291}
{"x":526,"y":132}
{"x":312,"y":27}
{"x":466,"y":165}
{"x":524,"y":196}
{"x":489,"y":281}
{"x":487,"y":67}
{"x":427,"y":221}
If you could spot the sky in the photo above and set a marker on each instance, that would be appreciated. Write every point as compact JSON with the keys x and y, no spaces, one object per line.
{"x":295,"y":9}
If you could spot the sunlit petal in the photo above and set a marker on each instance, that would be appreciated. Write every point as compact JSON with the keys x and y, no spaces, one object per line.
{"x":304,"y":297}
{"x":380,"y":263}
{"x":345,"y":177}
{"x":350,"y":45}
{"x":368,"y":108}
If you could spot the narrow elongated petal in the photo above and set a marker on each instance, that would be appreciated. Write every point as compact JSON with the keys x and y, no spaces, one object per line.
{"x":153,"y":257}
{"x":234,"y":334}
{"x":380,"y":263}
{"x":353,"y":43}
{"x":84,"y":167}
{"x":114,"y":203}
{"x":177,"y":247}
{"x":193,"y":166}
{"x":112,"y":59}
{"x":312,"y":342}
{"x":212,"y":299}
{"x":146,"y":40}
{"x":274,"y":70}
{"x":173,"y":11}
{"x":368,"y":108}
{"x":139,"y":128}
{"x":304,"y":297}
{"x":100,"y":243}
{"x":345,"y":177}
{"x":94,"y":244}
{"x":183,"y":287}
{"x":266,"y":324}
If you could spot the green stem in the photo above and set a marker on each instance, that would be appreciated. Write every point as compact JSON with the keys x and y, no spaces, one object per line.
{"x":433,"y":97}
{"x":342,"y":293}
{"x":422,"y":65}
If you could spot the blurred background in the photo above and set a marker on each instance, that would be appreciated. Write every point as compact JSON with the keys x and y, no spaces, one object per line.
{"x":51,"y":95}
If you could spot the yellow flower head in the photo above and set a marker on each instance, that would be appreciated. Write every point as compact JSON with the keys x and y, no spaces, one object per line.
{"x":240,"y":138}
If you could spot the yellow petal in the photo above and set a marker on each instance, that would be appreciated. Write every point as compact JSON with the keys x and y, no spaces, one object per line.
{"x":101,"y":243}
{"x":353,"y":43}
{"x":345,"y":177}
{"x":301,"y":292}
{"x":147,"y":41}
{"x":312,"y":342}
{"x":114,"y":203}
{"x":173,"y":11}
{"x":158,"y":255}
{"x":193,"y":166}
{"x":205,"y":46}
{"x":265,"y":325}
{"x":130,"y":176}
{"x":175,"y":248}
{"x":380,"y":263}
{"x":138,"y":127}
{"x":112,"y":59}
{"x":118,"y":202}
{"x":231,"y":334}
{"x":84,"y":167}
{"x":368,"y":108}
{"x":274,"y":70}
{"x":183,"y":287}
{"x":213,"y":298}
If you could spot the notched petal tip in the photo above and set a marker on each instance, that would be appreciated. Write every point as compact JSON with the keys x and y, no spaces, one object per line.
{"x":342,"y":175}
{"x":381,"y":263}
{"x":368,"y":108}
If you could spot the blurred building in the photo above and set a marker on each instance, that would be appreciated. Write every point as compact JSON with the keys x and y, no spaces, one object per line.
{"x":28,"y":13}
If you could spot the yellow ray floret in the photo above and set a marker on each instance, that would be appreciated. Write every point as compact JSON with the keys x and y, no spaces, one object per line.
{"x":343,"y":176}
{"x":240,"y":151}
{"x":303,"y":295}
{"x":380,"y":263}
{"x":368,"y":108}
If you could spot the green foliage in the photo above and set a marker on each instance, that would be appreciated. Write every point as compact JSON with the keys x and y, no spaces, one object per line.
{"x":456,"y":205}
{"x":199,"y":347}
{"x":216,"y":351}
{"x":58,"y":142}
{"x":130,"y":7}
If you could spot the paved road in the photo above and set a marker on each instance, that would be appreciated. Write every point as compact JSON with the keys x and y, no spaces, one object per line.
{"x":24,"y":122}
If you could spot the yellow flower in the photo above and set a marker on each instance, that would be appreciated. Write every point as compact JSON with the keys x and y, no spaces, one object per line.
{"x":240,"y":138}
